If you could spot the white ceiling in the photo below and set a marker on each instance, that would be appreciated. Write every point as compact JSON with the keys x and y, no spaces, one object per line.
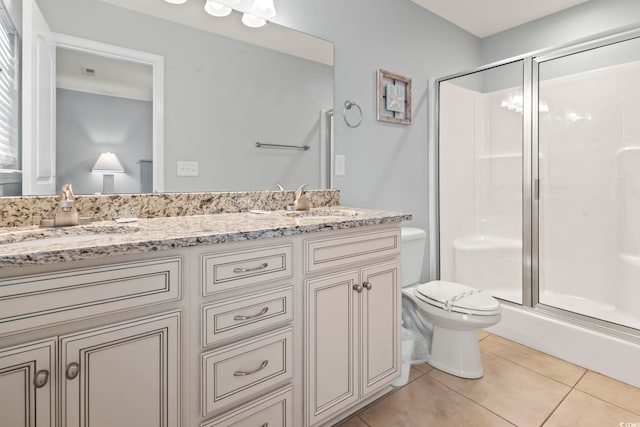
{"x":483,"y":18}
{"x":113,"y":77}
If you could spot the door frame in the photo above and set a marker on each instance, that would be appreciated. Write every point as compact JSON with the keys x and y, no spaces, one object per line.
{"x":157,"y":64}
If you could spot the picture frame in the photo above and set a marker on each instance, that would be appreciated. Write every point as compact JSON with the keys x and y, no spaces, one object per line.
{"x":393,"y":98}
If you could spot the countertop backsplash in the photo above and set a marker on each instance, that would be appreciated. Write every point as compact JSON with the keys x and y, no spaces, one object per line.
{"x":29,"y":210}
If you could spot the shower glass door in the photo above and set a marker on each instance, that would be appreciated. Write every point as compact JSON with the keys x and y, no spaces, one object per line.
{"x":589,"y":180}
{"x":481,"y":179}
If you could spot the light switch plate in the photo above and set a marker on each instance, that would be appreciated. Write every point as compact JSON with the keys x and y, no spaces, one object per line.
{"x":339,"y":165}
{"x":187,"y":168}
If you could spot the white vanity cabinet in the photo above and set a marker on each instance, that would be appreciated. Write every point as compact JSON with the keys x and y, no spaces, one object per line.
{"x":352,"y":321}
{"x":122,"y":371}
{"x":292,"y":331}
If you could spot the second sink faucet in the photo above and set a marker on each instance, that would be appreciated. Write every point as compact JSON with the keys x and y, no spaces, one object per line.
{"x":302,"y":202}
{"x":66,"y":211}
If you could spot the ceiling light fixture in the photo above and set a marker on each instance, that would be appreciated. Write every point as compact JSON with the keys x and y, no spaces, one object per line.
{"x":252,"y":21}
{"x":255,"y":13}
{"x":214,"y":8}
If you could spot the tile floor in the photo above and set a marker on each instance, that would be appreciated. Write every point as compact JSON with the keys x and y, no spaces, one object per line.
{"x":521,"y":387}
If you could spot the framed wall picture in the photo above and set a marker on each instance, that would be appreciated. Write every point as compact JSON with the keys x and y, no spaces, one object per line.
{"x":393,"y":98}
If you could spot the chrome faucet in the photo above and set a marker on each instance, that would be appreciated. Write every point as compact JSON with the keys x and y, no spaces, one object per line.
{"x":302,"y":202}
{"x":66,"y":212}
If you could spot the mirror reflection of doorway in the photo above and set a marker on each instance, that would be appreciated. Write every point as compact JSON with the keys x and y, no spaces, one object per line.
{"x":103,"y":105}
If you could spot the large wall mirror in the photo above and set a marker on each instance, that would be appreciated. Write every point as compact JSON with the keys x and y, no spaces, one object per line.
{"x":217,"y":96}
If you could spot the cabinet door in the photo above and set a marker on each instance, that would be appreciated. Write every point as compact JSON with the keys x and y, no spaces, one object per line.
{"x":126,"y":375}
{"x":380,"y":327}
{"x":27,"y":385}
{"x":331,"y":345}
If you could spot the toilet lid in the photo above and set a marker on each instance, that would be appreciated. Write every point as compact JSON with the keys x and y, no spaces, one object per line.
{"x":456,"y":297}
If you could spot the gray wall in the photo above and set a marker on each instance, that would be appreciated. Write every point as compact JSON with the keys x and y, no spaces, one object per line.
{"x":87,"y":125}
{"x":583,"y":20}
{"x":221,"y":96}
{"x":386,"y":164}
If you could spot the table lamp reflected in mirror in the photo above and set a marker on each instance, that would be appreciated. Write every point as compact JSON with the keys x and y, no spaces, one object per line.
{"x":108,"y":165}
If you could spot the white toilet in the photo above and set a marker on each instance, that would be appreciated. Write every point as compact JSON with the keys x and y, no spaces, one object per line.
{"x":446,"y":313}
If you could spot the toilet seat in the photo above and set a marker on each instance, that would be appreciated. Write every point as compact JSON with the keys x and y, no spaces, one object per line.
{"x":451,"y":296}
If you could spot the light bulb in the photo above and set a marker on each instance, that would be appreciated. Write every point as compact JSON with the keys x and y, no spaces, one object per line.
{"x":263,"y":8}
{"x":176,"y":1}
{"x":252,"y":21}
{"x":216,"y":9}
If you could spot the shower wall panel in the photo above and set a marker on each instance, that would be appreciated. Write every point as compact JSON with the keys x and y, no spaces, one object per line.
{"x":480,"y":179}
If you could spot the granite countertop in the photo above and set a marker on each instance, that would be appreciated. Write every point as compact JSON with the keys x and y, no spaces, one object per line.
{"x":37,"y":246}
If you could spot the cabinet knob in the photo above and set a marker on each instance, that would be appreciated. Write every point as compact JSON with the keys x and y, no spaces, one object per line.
{"x":73,"y":369}
{"x":357,"y":287}
{"x":367,"y":285}
{"x":41,"y":378}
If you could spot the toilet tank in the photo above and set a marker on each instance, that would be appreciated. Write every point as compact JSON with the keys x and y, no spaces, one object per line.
{"x":413,"y":245}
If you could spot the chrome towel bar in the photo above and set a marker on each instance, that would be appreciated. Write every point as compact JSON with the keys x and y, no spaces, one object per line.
{"x":288,"y":147}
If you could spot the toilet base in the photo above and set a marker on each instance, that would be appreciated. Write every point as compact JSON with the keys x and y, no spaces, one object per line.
{"x":456,"y":353}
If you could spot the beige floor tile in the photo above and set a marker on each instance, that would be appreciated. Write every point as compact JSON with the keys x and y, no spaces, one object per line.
{"x":415,"y":373}
{"x":426,"y":402}
{"x":352,"y":422}
{"x":620,"y":394}
{"x":482,"y":334}
{"x":423,"y":367}
{"x":560,"y":370}
{"x":517,"y":394}
{"x":580,"y":409}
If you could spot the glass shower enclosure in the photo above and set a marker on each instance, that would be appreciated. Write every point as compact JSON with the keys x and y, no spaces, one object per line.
{"x":539,"y":180}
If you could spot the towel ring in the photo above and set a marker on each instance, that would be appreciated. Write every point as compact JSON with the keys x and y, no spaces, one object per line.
{"x":347,"y":106}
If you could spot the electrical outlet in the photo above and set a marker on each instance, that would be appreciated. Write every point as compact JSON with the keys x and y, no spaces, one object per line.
{"x":339,"y":165}
{"x":187,"y":168}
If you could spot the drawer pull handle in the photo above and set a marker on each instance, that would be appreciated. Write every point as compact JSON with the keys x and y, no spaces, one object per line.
{"x":249,"y":270}
{"x":263,"y":365}
{"x":41,"y":378}
{"x":253,"y":316}
{"x":73,"y":369}
{"x":357,"y":287}
{"x":265,"y":425}
{"x":367,"y":286}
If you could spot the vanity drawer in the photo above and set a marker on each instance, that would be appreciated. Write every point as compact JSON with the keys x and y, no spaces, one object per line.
{"x":236,"y":316}
{"x":45,"y":299}
{"x":342,"y":251}
{"x":227,"y":270}
{"x":235,"y":372}
{"x":273,"y":410}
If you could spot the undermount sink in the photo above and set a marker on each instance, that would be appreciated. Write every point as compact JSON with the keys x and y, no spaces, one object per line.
{"x":324,"y":213}
{"x":53,"y":236}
